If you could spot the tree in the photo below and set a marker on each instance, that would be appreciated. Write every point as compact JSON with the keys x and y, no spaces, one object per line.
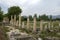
{"x":35,"y":15}
{"x":14,"y":10}
{"x":5,"y":15}
{"x":30,"y":17}
{"x":50,"y":17}
{"x":44,"y":17}
{"x":24,"y":18}
{"x":1,"y":14}
{"x":39,"y":17}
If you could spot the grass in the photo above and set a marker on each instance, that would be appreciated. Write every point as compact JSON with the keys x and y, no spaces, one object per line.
{"x":45,"y":33}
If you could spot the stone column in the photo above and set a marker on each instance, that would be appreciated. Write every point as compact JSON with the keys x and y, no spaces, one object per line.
{"x":49,"y":25}
{"x":17,"y":23}
{"x":20,"y":21}
{"x":14,"y":20}
{"x":28,"y":23}
{"x":11,"y":17}
{"x":34,"y":25}
{"x":59,"y":24}
{"x":23,"y":26}
{"x":11,"y":21}
{"x":45,"y":27}
{"x":41,"y":25}
{"x":52,"y":25}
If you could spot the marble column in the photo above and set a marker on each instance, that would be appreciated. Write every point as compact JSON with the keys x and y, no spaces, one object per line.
{"x":41,"y":25}
{"x":45,"y":27}
{"x":59,"y":24}
{"x":14,"y":20}
{"x":17,"y":23}
{"x":11,"y":21}
{"x":23,"y":25}
{"x":52,"y":25}
{"x":28,"y":23}
{"x":20,"y":21}
{"x":34,"y":25}
{"x":49,"y":25}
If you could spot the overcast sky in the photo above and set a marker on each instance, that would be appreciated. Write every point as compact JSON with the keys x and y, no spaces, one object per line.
{"x":31,"y":7}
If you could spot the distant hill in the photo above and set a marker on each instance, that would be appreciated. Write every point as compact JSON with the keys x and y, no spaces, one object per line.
{"x":54,"y":17}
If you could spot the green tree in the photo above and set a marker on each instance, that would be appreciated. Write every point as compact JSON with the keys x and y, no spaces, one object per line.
{"x":14,"y":10}
{"x":44,"y":17}
{"x":35,"y":15}
{"x":30,"y":17}
{"x":1,"y":14}
{"x":50,"y":17}
{"x":5,"y":15}
{"x":39,"y":18}
{"x":57,"y":19}
{"x":24,"y":18}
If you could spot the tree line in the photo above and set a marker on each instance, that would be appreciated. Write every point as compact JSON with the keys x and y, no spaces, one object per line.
{"x":16,"y":10}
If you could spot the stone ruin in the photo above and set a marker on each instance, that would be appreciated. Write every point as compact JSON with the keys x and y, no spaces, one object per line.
{"x":21,"y":24}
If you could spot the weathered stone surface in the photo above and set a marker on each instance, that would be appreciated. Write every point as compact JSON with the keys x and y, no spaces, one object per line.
{"x":23,"y":25}
{"x":27,"y":23}
{"x":34,"y":25}
{"x":41,"y":25}
{"x":19,"y":21}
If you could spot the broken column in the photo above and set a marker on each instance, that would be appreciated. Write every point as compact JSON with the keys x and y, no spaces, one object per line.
{"x":14,"y":20}
{"x":17,"y":23}
{"x":59,"y":23}
{"x":23,"y":25}
{"x":34,"y":25}
{"x":20,"y":21}
{"x":45,"y":27}
{"x":28,"y":23}
{"x":11,"y":21}
{"x":52,"y":25}
{"x":41,"y":25}
{"x":49,"y":25}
